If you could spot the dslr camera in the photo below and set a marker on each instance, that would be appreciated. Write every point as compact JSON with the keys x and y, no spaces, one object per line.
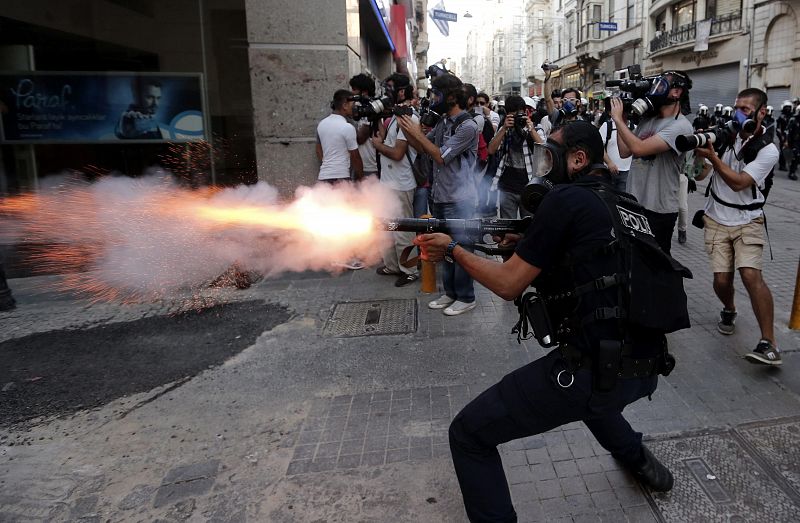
{"x":547,"y":66}
{"x":377,"y":108}
{"x":521,"y":122}
{"x":721,"y":137}
{"x":632,"y":91}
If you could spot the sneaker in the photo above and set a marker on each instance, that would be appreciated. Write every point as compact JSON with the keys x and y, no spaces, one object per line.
{"x":765,"y":353}
{"x":405,"y":279}
{"x":792,"y":176}
{"x":459,"y":307}
{"x":726,"y":322}
{"x":681,"y":237}
{"x":441,"y":302}
{"x":384,"y":271}
{"x":652,"y":473}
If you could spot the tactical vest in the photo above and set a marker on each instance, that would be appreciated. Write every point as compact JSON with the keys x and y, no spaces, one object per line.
{"x":649,"y":282}
{"x":748,"y":154}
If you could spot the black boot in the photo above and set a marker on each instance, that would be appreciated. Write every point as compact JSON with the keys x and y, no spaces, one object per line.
{"x":652,"y":473}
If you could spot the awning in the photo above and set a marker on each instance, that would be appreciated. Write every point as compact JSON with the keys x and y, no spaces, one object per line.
{"x":374,"y":25}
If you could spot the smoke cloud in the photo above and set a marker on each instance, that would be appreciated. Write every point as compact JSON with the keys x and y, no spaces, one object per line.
{"x":144,"y":237}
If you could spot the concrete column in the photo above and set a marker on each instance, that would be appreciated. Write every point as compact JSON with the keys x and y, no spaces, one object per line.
{"x":301,"y":52}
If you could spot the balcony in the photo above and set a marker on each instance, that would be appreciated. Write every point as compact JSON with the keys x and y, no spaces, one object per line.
{"x":686,"y":33}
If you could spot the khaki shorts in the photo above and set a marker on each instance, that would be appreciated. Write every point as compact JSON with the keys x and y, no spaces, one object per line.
{"x":734,"y":247}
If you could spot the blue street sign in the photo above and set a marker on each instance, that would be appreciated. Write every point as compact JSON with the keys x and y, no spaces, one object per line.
{"x":438,"y":14}
{"x":607,"y":26}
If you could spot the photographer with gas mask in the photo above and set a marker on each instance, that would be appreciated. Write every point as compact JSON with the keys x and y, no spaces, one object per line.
{"x":734,"y":220}
{"x":654,"y":177}
{"x":452,"y":145}
{"x":568,"y":254}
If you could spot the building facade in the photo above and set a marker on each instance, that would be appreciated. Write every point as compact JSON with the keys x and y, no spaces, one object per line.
{"x":240,"y":84}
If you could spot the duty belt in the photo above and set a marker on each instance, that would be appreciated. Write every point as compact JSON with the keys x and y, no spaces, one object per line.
{"x":629,"y":367}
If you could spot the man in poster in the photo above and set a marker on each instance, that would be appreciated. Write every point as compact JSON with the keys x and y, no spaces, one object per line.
{"x":139,"y":121}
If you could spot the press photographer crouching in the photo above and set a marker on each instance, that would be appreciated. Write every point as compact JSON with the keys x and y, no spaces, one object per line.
{"x":654,"y":177}
{"x":611,"y":344}
{"x":742,"y":161}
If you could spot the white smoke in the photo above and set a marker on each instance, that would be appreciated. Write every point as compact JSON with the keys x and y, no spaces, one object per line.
{"x":145,"y":237}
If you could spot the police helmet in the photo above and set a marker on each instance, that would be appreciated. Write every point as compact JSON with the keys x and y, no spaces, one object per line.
{"x":795,"y":101}
{"x":770,"y":110}
{"x":797,"y":111}
{"x":727,"y":111}
{"x":786,"y":107}
{"x":584,"y":102}
{"x":718,"y":109}
{"x":703,"y":110}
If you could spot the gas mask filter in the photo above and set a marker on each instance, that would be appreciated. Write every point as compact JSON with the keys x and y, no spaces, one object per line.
{"x":747,"y":123}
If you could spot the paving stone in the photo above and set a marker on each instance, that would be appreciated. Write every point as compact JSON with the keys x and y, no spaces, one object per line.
{"x":549,"y":488}
{"x":535,"y":456}
{"x":605,"y":500}
{"x":596,"y":482}
{"x":589,"y":465}
{"x":572,"y":485}
{"x":566,"y":469}
{"x":543,"y":471}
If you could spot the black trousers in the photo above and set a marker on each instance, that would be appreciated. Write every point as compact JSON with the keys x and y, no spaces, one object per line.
{"x":663,"y":225}
{"x":529,"y":401}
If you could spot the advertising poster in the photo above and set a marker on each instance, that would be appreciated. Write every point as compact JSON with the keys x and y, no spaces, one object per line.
{"x":42,"y":107}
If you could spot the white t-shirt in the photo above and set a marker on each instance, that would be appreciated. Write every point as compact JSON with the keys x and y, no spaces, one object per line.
{"x":623,"y":164}
{"x":398,"y":175}
{"x":367,"y":150}
{"x":758,"y":169}
{"x":495,"y":119}
{"x":337,"y":137}
{"x":544,"y":127}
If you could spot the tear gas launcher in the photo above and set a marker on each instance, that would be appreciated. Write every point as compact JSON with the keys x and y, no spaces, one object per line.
{"x":473,"y":228}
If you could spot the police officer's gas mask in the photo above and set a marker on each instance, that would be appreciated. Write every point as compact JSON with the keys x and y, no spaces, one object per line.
{"x":549,"y":169}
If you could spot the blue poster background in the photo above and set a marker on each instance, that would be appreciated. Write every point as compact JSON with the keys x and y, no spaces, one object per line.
{"x":39,"y":107}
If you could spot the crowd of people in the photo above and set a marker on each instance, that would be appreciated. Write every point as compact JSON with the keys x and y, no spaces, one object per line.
{"x":481,"y":157}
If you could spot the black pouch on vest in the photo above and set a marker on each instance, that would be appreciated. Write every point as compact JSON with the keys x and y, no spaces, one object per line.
{"x":606,"y":365}
{"x":539,"y":320}
{"x":697,"y":220}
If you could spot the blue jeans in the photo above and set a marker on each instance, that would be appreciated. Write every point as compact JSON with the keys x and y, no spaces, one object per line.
{"x":526,"y":402}
{"x":456,"y":281}
{"x":619,"y":180}
{"x":421,"y":196}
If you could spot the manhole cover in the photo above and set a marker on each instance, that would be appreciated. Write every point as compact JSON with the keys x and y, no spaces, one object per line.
{"x":717,"y":480}
{"x":778,"y":444}
{"x":369,"y":318}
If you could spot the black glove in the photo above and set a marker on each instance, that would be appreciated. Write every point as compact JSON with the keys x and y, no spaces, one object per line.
{"x":692,"y":186}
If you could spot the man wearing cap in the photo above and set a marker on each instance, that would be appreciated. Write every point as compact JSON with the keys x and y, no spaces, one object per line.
{"x":654,"y":177}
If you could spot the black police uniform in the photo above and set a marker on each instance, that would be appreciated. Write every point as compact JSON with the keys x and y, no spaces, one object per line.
{"x":533,"y":399}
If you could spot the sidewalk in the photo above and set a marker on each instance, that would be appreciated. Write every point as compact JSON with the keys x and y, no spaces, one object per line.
{"x":308,"y":423}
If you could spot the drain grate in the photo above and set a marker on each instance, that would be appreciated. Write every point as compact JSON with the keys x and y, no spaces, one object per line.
{"x":371,"y":318}
{"x":717,"y":479}
{"x":778,"y":444}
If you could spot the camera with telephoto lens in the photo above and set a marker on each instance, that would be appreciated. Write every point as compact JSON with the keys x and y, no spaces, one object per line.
{"x":377,"y":108}
{"x":720,"y":137}
{"x":547,"y":66}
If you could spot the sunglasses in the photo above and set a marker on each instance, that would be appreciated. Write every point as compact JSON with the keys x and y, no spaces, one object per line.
{"x":480,"y":103}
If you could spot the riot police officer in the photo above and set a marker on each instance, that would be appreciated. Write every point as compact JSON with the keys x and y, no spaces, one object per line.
{"x":780,"y":126}
{"x":570,"y":223}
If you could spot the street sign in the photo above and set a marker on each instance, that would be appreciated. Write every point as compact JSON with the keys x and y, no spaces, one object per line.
{"x":438,"y":14}
{"x":607,"y":26}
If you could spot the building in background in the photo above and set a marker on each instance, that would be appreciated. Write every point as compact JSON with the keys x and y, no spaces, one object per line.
{"x":240,"y":84}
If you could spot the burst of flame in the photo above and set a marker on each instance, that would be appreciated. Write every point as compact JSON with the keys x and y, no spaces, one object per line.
{"x":331,"y":222}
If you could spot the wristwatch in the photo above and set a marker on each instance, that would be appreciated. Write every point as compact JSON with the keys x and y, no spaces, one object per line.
{"x":448,"y":253}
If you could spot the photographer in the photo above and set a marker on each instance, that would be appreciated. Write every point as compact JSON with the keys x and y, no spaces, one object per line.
{"x":363,"y":86}
{"x":337,"y":145}
{"x":513,"y":145}
{"x":571,"y":223}
{"x":734,"y":220}
{"x":397,"y":159}
{"x":453,"y":146}
{"x":654,"y":178}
